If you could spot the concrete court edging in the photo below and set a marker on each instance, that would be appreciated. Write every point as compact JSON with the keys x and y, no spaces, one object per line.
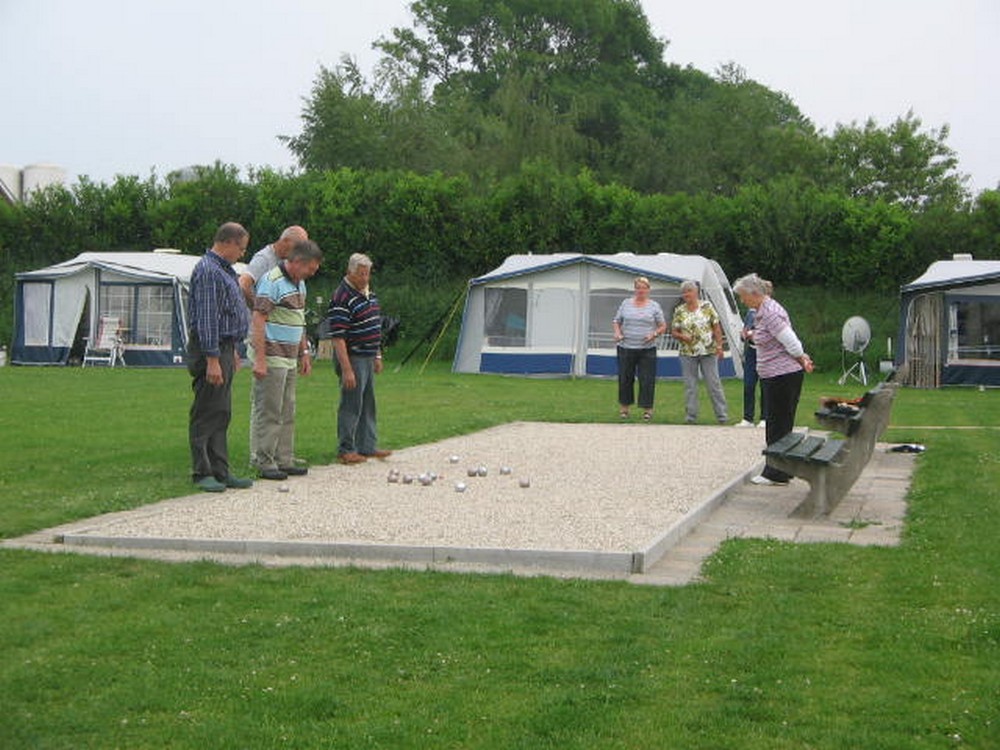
{"x":431,"y":556}
{"x":648,"y":557}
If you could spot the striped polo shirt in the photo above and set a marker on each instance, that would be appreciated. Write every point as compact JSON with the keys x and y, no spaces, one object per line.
{"x":283,"y":301}
{"x":356,"y":318}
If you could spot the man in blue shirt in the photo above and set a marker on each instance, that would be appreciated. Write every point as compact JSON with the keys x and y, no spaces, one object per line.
{"x":218,"y":319}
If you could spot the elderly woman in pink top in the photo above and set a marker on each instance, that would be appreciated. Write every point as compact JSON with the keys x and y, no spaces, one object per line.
{"x":781,"y":364}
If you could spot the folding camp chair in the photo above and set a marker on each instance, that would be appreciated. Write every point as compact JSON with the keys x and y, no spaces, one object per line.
{"x":108,"y":347}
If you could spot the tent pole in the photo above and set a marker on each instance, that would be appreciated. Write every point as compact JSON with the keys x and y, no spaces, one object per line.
{"x":426,"y":336}
{"x":444,"y":328}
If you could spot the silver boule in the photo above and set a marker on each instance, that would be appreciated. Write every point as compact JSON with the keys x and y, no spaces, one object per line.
{"x":524,"y":482}
{"x":453,"y":459}
{"x":407,"y":479}
{"x":505,"y":470}
{"x":459,"y":486}
{"x":283,"y":488}
{"x":472,"y":471}
{"x":425,"y":480}
{"x":481,"y":471}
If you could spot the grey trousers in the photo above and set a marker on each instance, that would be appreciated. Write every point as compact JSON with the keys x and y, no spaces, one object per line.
{"x":272,"y":420}
{"x":708,"y":366}
{"x":356,"y":429}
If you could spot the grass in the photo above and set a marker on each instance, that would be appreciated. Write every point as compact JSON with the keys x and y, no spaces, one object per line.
{"x":784,"y":645}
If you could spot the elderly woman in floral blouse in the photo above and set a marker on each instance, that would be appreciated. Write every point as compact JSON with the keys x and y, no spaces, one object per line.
{"x":696,"y":326}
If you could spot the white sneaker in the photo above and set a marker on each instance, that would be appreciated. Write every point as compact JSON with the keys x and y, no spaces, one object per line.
{"x":744,"y":423}
{"x":762,"y":424}
{"x":762,"y":480}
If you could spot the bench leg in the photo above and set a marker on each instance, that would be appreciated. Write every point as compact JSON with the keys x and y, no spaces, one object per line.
{"x":816,"y":503}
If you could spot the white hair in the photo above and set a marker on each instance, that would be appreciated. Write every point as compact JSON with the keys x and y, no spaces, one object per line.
{"x":751,"y":284}
{"x":358,"y":260}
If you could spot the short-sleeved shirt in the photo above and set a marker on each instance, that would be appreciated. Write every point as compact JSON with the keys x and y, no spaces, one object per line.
{"x":283,"y":302}
{"x":637,"y":322}
{"x":697,"y":323}
{"x":357,"y":318}
{"x":263,"y":261}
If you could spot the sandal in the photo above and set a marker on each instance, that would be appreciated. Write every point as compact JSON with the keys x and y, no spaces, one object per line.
{"x":623,"y":414}
{"x":647,"y":416}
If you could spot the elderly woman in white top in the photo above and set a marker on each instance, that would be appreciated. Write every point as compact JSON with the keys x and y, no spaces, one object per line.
{"x":636,"y":325}
{"x":781,"y":364}
{"x":696,"y":326}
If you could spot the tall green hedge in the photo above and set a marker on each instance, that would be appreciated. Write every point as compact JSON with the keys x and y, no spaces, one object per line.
{"x":435,"y":231}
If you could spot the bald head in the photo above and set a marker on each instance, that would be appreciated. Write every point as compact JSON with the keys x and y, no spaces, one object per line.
{"x":290,"y":237}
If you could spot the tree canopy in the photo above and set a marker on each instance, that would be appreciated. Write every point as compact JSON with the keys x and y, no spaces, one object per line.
{"x":479,"y":87}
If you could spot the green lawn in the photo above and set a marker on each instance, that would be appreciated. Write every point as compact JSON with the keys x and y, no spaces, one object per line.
{"x":784,"y":646}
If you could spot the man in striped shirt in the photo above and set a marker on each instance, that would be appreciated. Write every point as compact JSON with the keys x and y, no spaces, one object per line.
{"x":356,"y":328}
{"x":217,"y":317}
{"x":279,"y":351}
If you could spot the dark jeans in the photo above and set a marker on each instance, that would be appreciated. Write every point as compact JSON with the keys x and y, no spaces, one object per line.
{"x":781,"y":394}
{"x":633,"y":362}
{"x":750,"y":381}
{"x":211,"y":412}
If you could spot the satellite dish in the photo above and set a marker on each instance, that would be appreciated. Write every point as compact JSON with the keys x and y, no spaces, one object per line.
{"x":855,"y":337}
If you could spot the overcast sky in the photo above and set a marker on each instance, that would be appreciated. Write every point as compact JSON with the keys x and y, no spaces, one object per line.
{"x":106,"y":87}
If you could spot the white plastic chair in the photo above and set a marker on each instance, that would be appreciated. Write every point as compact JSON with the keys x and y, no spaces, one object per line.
{"x":108,"y":348}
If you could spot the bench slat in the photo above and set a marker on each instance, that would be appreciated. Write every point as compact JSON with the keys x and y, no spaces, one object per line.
{"x":785,"y":444}
{"x":805,"y":448}
{"x":828,"y":452}
{"x":844,"y":423}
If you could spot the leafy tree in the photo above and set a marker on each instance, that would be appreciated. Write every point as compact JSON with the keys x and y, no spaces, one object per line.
{"x":734,"y":133}
{"x":985,"y":225}
{"x":193,"y":209}
{"x":901,"y":163}
{"x":480,"y":86}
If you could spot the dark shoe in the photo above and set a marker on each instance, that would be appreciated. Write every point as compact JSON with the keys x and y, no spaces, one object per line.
{"x":210,"y":484}
{"x":379,"y":454}
{"x":238,"y":483}
{"x":276,"y":474}
{"x":352,"y":458}
{"x":294,"y":471}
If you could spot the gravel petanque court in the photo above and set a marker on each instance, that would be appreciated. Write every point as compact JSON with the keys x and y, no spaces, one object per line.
{"x":602,"y":500}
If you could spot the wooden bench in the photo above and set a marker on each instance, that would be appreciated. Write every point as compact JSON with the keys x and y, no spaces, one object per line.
{"x":832,"y":465}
